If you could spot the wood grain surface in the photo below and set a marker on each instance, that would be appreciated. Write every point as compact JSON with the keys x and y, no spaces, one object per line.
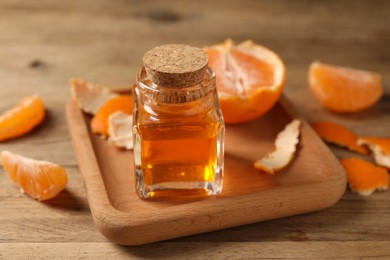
{"x":44,"y":43}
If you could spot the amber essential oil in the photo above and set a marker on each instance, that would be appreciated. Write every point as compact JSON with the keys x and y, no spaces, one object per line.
{"x":178,"y":137}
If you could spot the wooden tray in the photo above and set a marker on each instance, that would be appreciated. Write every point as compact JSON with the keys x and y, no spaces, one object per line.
{"x":315,"y":180}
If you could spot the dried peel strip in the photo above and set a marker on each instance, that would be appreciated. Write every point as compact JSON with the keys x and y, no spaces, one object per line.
{"x":285,"y":144}
{"x":364,"y":177}
{"x":90,"y":97}
{"x":380,"y":147}
{"x":120,"y":130}
{"x":339,"y":135}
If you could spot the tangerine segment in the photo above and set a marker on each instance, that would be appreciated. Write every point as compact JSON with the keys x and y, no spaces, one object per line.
{"x":364,"y":177}
{"x":39,"y":179}
{"x":339,"y":135}
{"x":21,"y":119}
{"x":250,"y":79}
{"x":119,"y":130}
{"x":285,"y":144}
{"x":89,"y":97}
{"x":380,"y":147}
{"x":344,"y":89}
{"x":99,"y":123}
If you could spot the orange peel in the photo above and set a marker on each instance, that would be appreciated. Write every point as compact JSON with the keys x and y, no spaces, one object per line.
{"x":21,"y":119}
{"x":380,"y":148}
{"x":41,"y":180}
{"x":365,"y":177}
{"x":89,"y":97}
{"x":120,"y":132}
{"x":99,"y":123}
{"x":338,"y":135}
{"x":285,"y":144}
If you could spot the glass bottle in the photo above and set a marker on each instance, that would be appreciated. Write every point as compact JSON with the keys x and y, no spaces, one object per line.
{"x":178,"y":125}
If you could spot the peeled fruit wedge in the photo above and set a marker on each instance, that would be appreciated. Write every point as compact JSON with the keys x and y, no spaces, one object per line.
{"x":250,"y":79}
{"x":90,"y":97}
{"x":39,"y":179}
{"x":342,"y":89}
{"x":99,"y":122}
{"x":380,"y":147}
{"x":21,"y":119}
{"x":285,"y":145}
{"x":339,"y":135}
{"x":120,"y":132}
{"x":364,"y":177}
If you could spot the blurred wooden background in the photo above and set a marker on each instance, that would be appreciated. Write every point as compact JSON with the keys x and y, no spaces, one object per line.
{"x":44,"y":43}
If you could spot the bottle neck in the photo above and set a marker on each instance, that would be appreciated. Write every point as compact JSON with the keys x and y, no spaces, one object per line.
{"x":170,"y":101}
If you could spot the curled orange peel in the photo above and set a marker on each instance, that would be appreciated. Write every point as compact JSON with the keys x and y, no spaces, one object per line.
{"x":338,"y":135}
{"x":365,"y":177}
{"x":380,"y":148}
{"x":99,"y":123}
{"x":285,"y":144}
{"x":89,"y":97}
{"x":120,"y":130}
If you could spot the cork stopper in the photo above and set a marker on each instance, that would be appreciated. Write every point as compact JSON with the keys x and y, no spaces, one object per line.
{"x":175,"y":65}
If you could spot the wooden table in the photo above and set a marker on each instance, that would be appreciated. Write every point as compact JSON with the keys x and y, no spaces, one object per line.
{"x":43,"y":44}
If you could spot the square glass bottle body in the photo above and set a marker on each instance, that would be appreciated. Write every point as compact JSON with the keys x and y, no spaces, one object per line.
{"x":178,"y":139}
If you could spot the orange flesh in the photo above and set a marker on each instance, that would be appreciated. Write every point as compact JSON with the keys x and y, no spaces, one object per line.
{"x":344,"y":89}
{"x":39,"y":179}
{"x":246,"y":80}
{"x":99,"y":122}
{"x":241,"y":74}
{"x":365,"y":177}
{"x":21,"y":119}
{"x":339,"y":135}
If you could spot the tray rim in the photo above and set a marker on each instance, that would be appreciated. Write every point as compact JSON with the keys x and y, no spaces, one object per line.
{"x":111,"y":221}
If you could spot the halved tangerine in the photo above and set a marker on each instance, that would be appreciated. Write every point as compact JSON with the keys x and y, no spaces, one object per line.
{"x":250,"y":79}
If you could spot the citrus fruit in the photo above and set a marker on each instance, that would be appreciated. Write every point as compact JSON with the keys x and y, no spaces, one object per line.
{"x":250,"y":79}
{"x":364,"y":177}
{"x":39,"y":179}
{"x":339,"y":135}
{"x":343,"y":89}
{"x":21,"y":119}
{"x":99,"y":123}
{"x":285,"y":145}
